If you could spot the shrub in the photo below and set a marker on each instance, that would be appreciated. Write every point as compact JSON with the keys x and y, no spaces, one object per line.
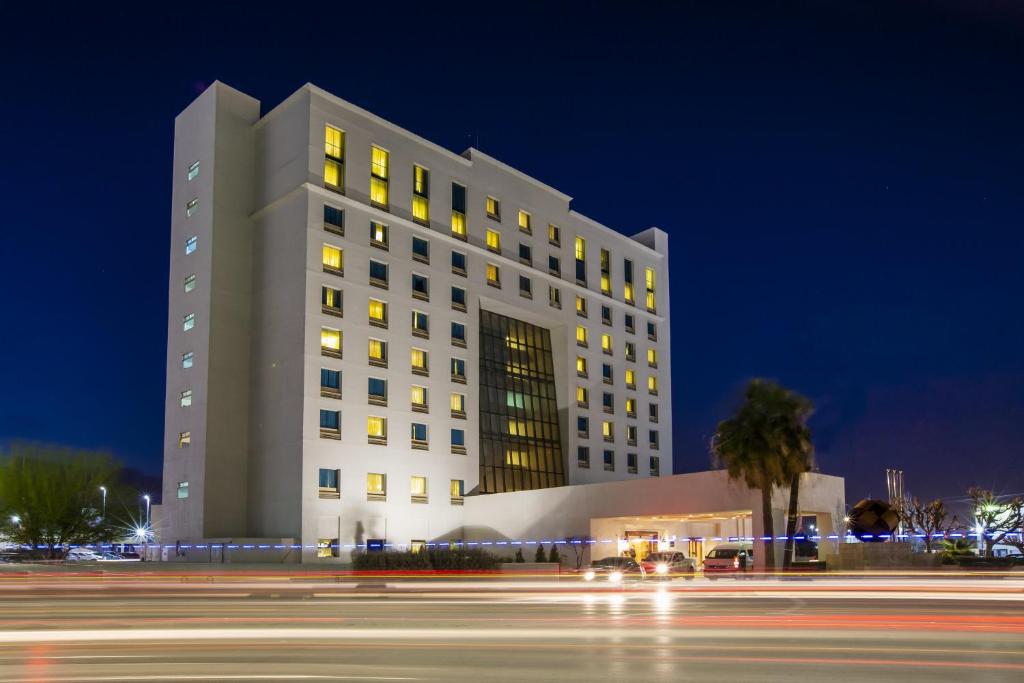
{"x":437,"y":558}
{"x":519,"y":555}
{"x":554,"y":556}
{"x":540,"y":556}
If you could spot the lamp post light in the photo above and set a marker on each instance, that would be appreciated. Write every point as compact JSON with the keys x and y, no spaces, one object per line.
{"x":103,"y":490}
{"x":15,"y":519}
{"x":146,"y":498}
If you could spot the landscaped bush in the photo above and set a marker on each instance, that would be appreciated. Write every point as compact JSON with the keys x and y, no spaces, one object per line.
{"x":437,"y":558}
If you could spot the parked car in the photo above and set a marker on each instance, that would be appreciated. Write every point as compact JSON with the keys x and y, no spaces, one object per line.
{"x":669,"y":563}
{"x":82,"y":555}
{"x":613,"y":569}
{"x":729,"y":559}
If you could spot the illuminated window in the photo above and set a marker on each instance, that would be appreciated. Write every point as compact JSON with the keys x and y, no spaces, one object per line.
{"x":457,"y":489}
{"x":193,"y":171}
{"x":627,"y":273}
{"x":378,"y":235}
{"x":418,"y":487}
{"x":606,"y":272}
{"x":459,"y":211}
{"x":376,"y":486}
{"x":184,"y":439}
{"x":192,"y":206}
{"x":606,"y":343}
{"x":330,"y":342}
{"x":186,"y":398}
{"x":554,"y":235}
{"x":554,"y":297}
{"x":630,"y":407}
{"x":494,"y":241}
{"x":581,"y":306}
{"x":420,"y":287}
{"x":652,"y":358}
{"x":418,"y":398}
{"x":328,"y":547}
{"x":581,"y":260}
{"x":182,"y":489}
{"x":378,"y":311}
{"x":582,"y":456}
{"x":609,"y":460}
{"x":630,"y":379}
{"x":652,"y":384}
{"x":330,"y":383}
{"x":378,"y":274}
{"x":378,"y":177}
{"x":190,"y":244}
{"x":419,"y":435}
{"x":420,"y":194}
{"x":378,"y":352}
{"x":376,"y":429}
{"x":328,"y":483}
{"x":655,"y":466}
{"x":330,"y":424}
{"x":649,"y":279}
{"x":608,"y":431}
{"x":420,"y":250}
{"x":458,"y":405}
{"x":493,"y":208}
{"x":188,"y":322}
{"x":331,"y":300}
{"x":581,"y":366}
{"x":190,"y":283}
{"x":524,"y":222}
{"x":186,"y":360}
{"x":582,"y":397}
{"x":334,"y":158}
{"x":377,"y":391}
{"x":581,"y":335}
{"x":420,"y":324}
{"x":493,"y":275}
{"x":334,"y":220}
{"x":420,"y":362}
{"x":630,"y":351}
{"x":458,"y":370}
{"x":333,"y":260}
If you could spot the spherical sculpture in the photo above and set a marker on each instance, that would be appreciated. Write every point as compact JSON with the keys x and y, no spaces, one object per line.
{"x":871,"y":519}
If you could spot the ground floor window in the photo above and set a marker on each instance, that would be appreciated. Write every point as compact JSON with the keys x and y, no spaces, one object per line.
{"x":327,"y":547}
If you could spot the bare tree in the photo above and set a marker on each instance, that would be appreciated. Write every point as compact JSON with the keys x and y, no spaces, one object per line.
{"x":926,"y":518}
{"x":995,"y":519}
{"x":579,"y":546}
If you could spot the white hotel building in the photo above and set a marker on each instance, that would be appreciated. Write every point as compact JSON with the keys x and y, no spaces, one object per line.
{"x":373,"y":339}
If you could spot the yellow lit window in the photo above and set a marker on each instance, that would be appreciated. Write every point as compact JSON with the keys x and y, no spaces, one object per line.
{"x":581,"y":365}
{"x":493,"y":208}
{"x":377,"y":350}
{"x":652,"y":384}
{"x":456,"y":488}
{"x":331,"y":298}
{"x":649,"y":279}
{"x":494,"y":240}
{"x":628,"y":293}
{"x":606,"y":272}
{"x":334,"y":143}
{"x":418,"y":486}
{"x":332,"y":173}
{"x":376,"y":427}
{"x":459,"y":403}
{"x":581,"y":335}
{"x":517,"y":427}
{"x":184,"y":439}
{"x":418,"y":396}
{"x":581,"y":249}
{"x":581,"y":306}
{"x":631,"y":379}
{"x":419,"y":359}
{"x":631,"y":406}
{"x":517,"y":458}
{"x":581,"y":396}
{"x":333,"y":258}
{"x":378,"y":311}
{"x":420,"y":181}
{"x":606,"y":284}
{"x":458,"y":223}
{"x":421,"y":209}
{"x":524,"y":221}
{"x":376,"y":484}
{"x":493,"y":274}
{"x":607,"y":431}
{"x":606,"y":343}
{"x":379,"y":176}
{"x":652,"y":358}
{"x":330,"y":339}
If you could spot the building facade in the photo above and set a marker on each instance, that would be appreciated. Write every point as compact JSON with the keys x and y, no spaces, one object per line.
{"x":365,"y":330}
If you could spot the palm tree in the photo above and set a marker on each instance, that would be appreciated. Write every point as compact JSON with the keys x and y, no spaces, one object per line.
{"x":768,"y":444}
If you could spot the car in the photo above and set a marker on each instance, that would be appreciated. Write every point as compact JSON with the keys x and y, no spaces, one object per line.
{"x":729,"y":559}
{"x":613,"y":569}
{"x":82,"y":555}
{"x":669,"y":563}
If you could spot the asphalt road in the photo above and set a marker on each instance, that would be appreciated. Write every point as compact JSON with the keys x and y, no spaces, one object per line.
{"x":287,"y":628}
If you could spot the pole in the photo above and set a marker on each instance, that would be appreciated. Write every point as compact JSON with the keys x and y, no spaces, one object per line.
{"x":103,"y":490}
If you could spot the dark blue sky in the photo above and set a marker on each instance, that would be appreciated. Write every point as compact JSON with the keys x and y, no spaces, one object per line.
{"x":842,"y":183}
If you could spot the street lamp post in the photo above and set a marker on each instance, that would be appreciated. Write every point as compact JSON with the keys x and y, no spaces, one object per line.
{"x":103,"y":490}
{"x":146,"y":498}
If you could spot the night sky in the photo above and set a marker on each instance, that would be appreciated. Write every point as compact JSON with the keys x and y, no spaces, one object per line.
{"x":842,"y":183}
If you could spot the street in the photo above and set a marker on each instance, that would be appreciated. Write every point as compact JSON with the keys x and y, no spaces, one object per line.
{"x":273,"y":626}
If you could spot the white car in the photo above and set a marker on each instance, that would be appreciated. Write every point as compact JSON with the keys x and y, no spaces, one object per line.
{"x":667,"y":564}
{"x":729,"y":558}
{"x":83,"y":555}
